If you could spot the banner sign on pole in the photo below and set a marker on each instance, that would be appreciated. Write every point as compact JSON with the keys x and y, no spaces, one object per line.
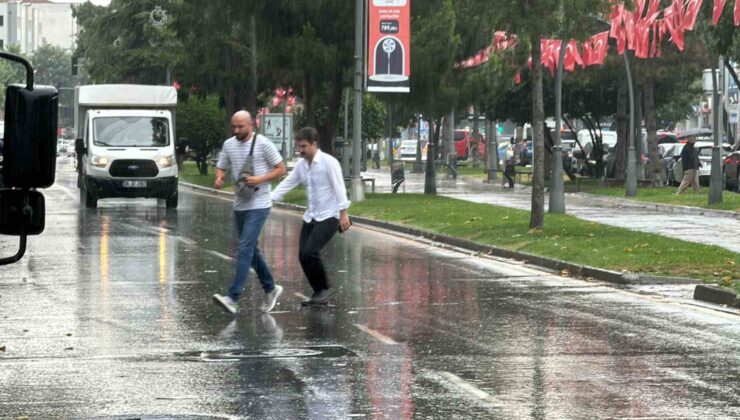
{"x":389,"y":46}
{"x":272,"y":128}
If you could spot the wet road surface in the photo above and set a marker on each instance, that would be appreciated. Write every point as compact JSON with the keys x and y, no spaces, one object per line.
{"x":706,"y":229}
{"x":109,"y":315}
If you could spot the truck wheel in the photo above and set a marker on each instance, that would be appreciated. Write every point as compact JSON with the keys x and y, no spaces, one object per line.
{"x":171,"y":201}
{"x":88,"y":198}
{"x":91,"y":201}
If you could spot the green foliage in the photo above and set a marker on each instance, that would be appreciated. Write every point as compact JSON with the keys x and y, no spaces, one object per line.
{"x":200,"y":123}
{"x":374,"y":117}
{"x":11,"y":72}
{"x":434,"y":45}
{"x":121,"y":44}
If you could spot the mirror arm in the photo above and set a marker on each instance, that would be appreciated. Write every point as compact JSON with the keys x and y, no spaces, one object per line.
{"x":27,"y":212}
{"x":26,"y":64}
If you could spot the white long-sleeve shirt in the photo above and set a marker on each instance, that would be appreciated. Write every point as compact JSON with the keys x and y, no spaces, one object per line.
{"x":324,"y":183}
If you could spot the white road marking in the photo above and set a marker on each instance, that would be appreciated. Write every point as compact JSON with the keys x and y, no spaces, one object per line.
{"x":456,"y":383}
{"x":64,"y":190}
{"x":377,"y":335}
{"x":220,"y":255}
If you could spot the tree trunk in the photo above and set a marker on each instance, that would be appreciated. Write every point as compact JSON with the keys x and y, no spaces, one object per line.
{"x":654,"y":172}
{"x":537,"y":216}
{"x":335,"y":102}
{"x":620,"y":164}
{"x":430,"y":176}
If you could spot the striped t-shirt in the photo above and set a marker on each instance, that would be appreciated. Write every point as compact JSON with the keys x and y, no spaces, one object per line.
{"x":266,"y":156}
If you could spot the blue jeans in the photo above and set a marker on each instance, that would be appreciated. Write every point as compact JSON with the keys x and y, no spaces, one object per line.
{"x":249,"y":226}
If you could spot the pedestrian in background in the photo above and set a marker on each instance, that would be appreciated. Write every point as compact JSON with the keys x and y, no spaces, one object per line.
{"x":690,"y":163}
{"x":253,"y":161}
{"x":376,"y":158}
{"x":509,"y":172}
{"x":326,"y":213}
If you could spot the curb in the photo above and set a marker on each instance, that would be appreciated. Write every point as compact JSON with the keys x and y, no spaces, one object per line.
{"x":716,"y":294}
{"x":577,"y":270}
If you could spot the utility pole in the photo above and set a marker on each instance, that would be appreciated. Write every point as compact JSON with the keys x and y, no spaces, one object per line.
{"x":631,"y":183}
{"x":715,"y":178}
{"x":357,"y":193}
{"x":452,"y":154}
{"x":492,"y":147}
{"x":557,"y":189}
{"x":345,"y":155}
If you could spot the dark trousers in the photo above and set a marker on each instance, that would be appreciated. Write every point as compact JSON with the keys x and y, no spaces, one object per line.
{"x":314,"y":237}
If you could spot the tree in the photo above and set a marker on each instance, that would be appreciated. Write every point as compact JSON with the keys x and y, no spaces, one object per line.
{"x":200,"y":123}
{"x":434,"y":45}
{"x":127,"y":41}
{"x":53,"y":67}
{"x":11,"y":72}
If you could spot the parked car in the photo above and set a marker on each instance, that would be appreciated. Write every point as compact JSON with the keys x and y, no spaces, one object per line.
{"x":670,"y":153}
{"x":407,"y":150}
{"x":732,"y":171}
{"x":464,"y":140}
{"x":704,"y":149}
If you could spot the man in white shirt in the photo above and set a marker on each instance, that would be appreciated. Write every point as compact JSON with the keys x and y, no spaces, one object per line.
{"x":250,"y":209}
{"x":327,"y":208}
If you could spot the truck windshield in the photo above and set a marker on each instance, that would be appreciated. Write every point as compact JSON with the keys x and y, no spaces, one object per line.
{"x":131,"y":131}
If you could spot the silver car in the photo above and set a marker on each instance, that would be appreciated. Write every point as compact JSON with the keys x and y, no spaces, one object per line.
{"x":704,"y":149}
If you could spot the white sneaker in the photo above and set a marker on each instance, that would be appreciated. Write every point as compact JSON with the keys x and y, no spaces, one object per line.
{"x":270,"y":299}
{"x":226,"y":302}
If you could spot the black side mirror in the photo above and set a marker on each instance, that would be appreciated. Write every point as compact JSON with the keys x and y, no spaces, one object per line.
{"x":29,"y":153}
{"x":21,"y":212}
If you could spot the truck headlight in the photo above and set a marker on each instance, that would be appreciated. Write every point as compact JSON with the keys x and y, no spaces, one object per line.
{"x":166,"y":162}
{"x":99,"y":161}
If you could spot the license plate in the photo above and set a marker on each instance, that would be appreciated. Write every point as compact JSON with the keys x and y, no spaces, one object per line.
{"x":134,"y":184}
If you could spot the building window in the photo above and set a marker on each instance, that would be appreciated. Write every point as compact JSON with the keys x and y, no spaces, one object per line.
{"x":2,"y":20}
{"x":2,"y":44}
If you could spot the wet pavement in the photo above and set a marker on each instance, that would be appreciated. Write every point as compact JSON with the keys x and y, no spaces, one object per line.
{"x":109,"y":315}
{"x":707,"y":229}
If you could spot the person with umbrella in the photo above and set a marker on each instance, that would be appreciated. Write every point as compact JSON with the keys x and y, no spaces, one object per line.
{"x":690,"y":162}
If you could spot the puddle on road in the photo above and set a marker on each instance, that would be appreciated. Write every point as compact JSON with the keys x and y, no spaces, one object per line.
{"x":279,"y":353}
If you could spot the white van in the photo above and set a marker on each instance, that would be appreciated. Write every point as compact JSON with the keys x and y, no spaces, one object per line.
{"x":126,"y":142}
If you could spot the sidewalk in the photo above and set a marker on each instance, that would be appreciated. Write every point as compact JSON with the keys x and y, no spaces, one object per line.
{"x":693,"y":224}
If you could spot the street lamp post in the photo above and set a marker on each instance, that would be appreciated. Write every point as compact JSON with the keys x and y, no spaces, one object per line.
{"x":631,"y":185}
{"x":715,"y":177}
{"x":357,"y":194}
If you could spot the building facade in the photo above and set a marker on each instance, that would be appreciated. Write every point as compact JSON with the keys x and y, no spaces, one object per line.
{"x":33,"y":23}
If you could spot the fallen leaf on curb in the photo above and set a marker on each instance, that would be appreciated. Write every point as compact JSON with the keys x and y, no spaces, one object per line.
{"x":628,"y":250}
{"x":565,"y":273}
{"x":69,"y":334}
{"x":69,"y":348}
{"x":2,"y":348}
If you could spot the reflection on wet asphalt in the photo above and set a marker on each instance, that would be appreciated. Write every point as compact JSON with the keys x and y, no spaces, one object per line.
{"x":114,"y":318}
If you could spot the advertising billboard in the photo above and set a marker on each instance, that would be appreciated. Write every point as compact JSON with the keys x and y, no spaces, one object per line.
{"x":389,"y":46}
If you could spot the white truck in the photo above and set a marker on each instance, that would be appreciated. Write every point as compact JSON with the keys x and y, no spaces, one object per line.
{"x":125,"y":142}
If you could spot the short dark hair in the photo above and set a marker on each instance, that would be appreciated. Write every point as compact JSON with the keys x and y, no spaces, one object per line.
{"x":309,"y":134}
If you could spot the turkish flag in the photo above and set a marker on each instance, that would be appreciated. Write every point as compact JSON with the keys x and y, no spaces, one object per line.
{"x":692,"y":11}
{"x":599,"y":48}
{"x":674,"y":24}
{"x":587,"y":53}
{"x":653,"y":8}
{"x":737,"y":13}
{"x":642,"y":39}
{"x":719,"y":7}
{"x":572,"y":56}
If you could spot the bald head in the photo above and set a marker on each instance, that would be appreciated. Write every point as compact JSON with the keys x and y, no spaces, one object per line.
{"x":241,"y":125}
